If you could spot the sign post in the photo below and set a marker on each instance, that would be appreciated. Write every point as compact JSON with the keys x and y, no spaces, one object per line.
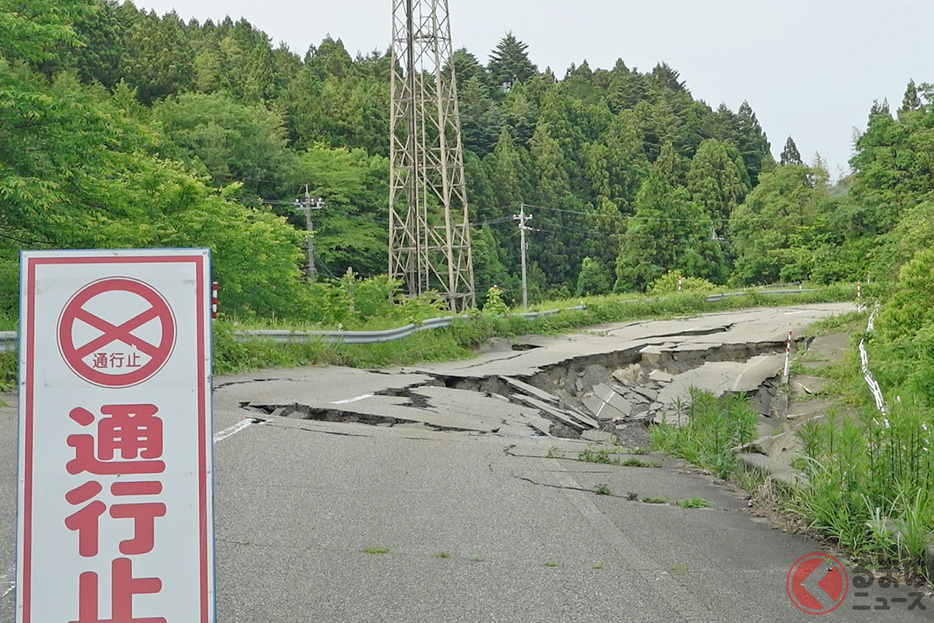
{"x":115,"y":516}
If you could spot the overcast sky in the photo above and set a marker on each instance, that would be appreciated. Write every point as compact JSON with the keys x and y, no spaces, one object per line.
{"x":809,"y":68}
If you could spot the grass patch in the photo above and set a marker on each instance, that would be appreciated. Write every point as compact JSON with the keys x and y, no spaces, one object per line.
{"x":651,"y":500}
{"x":605,"y":456}
{"x":708,"y":429}
{"x":9,"y":364}
{"x":838,"y":324}
{"x":443,"y":555}
{"x":634,"y":462}
{"x":602,"y":489}
{"x":694,"y":503}
{"x":680,"y":569}
{"x":376,"y":550}
{"x":551,"y":564}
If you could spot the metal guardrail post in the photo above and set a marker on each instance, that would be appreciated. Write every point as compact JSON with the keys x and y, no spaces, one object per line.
{"x":8,"y":340}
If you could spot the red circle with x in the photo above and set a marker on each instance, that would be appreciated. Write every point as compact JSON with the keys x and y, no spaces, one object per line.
{"x":74,"y":311}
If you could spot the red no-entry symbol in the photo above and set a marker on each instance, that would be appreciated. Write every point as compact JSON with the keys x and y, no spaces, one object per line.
{"x":116,"y":357}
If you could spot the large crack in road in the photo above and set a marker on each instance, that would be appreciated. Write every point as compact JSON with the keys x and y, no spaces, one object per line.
{"x":608,"y":384}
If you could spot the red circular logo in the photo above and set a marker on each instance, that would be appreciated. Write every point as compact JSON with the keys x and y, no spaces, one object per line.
{"x":116,"y":332}
{"x":817,"y":584}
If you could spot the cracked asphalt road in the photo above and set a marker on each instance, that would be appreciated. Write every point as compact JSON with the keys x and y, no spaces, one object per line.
{"x":475,"y":525}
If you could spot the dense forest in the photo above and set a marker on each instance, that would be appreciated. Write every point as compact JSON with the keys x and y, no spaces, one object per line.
{"x":121,"y":128}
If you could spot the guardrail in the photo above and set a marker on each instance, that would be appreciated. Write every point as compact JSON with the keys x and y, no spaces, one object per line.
{"x":725,"y":295}
{"x":374,"y":337}
{"x":7,"y":341}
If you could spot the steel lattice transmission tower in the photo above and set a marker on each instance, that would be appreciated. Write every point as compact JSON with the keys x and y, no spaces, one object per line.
{"x":429,"y":225}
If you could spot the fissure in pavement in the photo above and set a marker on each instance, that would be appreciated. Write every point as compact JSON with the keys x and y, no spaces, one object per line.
{"x":596,"y":397}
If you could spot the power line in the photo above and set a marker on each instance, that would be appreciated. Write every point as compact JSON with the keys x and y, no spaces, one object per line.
{"x":632,"y":218}
{"x":34,"y":241}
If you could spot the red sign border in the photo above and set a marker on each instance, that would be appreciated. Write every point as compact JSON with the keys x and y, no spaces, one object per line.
{"x":114,"y":381}
{"x":29,"y":333}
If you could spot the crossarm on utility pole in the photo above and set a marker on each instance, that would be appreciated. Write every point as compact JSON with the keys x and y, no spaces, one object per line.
{"x":308,"y":204}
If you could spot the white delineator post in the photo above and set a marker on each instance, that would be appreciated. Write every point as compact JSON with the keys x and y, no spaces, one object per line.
{"x":213,"y":300}
{"x":680,"y":283}
{"x":786,"y":378}
{"x":859,"y":291}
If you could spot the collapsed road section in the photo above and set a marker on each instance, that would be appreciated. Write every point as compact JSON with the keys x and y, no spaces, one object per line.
{"x":602,"y":384}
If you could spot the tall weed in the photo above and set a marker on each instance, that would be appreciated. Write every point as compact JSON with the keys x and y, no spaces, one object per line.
{"x":711,"y":429}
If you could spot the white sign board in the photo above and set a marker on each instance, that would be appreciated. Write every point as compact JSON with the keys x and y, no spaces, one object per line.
{"x":115,"y":519}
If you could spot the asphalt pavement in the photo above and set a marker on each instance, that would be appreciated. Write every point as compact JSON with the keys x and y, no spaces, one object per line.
{"x":405,"y":520}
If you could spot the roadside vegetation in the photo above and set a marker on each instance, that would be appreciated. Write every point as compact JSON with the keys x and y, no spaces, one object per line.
{"x":871,"y":475}
{"x":706,"y":430}
{"x":868,"y":481}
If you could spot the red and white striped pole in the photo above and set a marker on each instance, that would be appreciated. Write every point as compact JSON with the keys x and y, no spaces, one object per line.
{"x":859,"y":291}
{"x":214,"y":300}
{"x":680,"y":282}
{"x":787,"y":377}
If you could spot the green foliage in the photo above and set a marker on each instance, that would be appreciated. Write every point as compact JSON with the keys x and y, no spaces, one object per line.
{"x":509,"y":63}
{"x":494,"y":303}
{"x":668,"y":284}
{"x":594,"y":278}
{"x":790,"y":154}
{"x":913,"y":233}
{"x":233,"y":142}
{"x":774,"y":231}
{"x":718,"y":181}
{"x":260,"y":121}
{"x":706,"y":431}
{"x":9,"y":363}
{"x":34,"y":31}
{"x":351,"y":230}
{"x":904,"y":345}
{"x":667,"y":232}
{"x":911,"y":307}
{"x":159,"y":56}
{"x":90,"y":181}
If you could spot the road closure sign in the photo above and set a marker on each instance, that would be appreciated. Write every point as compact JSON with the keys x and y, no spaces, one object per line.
{"x":115,"y":509}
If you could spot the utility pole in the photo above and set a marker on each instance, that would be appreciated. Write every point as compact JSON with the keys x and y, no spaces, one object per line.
{"x":308,"y":204}
{"x":523,"y":218}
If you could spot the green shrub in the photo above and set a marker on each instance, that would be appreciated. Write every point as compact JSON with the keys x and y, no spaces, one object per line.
{"x":494,"y":302}
{"x":668,"y":284}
